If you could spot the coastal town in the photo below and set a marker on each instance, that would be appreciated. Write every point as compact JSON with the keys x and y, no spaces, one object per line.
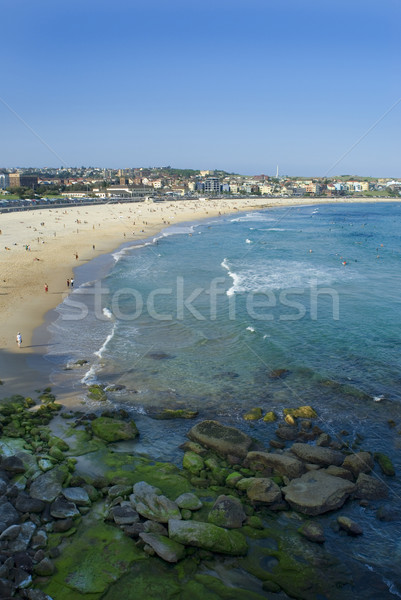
{"x":30,"y":185}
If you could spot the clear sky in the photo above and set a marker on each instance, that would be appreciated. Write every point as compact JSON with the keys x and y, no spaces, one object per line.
{"x":240,"y":85}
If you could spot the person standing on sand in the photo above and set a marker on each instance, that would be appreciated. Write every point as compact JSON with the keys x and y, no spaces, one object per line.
{"x":19,"y":339}
{"x":72,"y":283}
{"x":76,"y":255}
{"x":68,"y":283}
{"x":46,"y":287}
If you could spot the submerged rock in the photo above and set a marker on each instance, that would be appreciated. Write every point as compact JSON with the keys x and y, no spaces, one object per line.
{"x":385,"y":464}
{"x":179,"y":413}
{"x":114,"y":430}
{"x":254,"y":414}
{"x":349,"y":526}
{"x":220,"y":438}
{"x":208,"y":537}
{"x":317,"y":492}
{"x":314,"y":532}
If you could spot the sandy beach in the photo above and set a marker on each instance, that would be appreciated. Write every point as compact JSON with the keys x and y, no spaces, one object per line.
{"x":42,"y":248}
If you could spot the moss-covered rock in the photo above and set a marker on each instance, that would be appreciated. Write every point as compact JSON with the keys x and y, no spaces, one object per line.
{"x":93,"y":559}
{"x":385,"y":464}
{"x":113,"y":430}
{"x":302,"y":412}
{"x":270,"y":417}
{"x":208,"y":537}
{"x":254,"y":414}
{"x":193,"y":462}
{"x":96,"y":392}
{"x":170,"y":413}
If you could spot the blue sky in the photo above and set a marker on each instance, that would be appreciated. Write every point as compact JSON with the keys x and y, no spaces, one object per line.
{"x":241,"y":85}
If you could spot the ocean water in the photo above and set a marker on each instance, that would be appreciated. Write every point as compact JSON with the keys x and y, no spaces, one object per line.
{"x":203,"y":315}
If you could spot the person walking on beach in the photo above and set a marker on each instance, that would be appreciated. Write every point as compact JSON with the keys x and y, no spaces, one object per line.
{"x":76,"y":255}
{"x":68,"y":283}
{"x":46,"y":287}
{"x":19,"y":339}
{"x":72,"y":283}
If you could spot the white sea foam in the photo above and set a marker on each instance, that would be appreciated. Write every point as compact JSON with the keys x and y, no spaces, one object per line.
{"x":275,"y":275}
{"x":247,"y":241}
{"x":99,"y":352}
{"x":254,"y":216}
{"x":251,"y":329}
{"x":90,"y":376}
{"x":234,"y":276}
{"x":107,"y":313}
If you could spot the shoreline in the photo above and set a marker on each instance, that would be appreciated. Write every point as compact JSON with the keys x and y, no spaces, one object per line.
{"x":55,"y":236}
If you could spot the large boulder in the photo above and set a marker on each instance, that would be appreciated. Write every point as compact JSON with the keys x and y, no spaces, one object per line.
{"x":220,"y":438}
{"x":114,"y":430}
{"x":260,"y":489}
{"x":317,"y":455}
{"x":208,"y":537}
{"x":167,"y":549}
{"x":362,"y":462}
{"x":317,"y":492}
{"x":279,"y":464}
{"x":48,"y":485}
{"x":227,"y":512}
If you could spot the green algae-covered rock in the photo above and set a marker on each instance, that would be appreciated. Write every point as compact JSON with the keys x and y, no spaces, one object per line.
{"x":212,"y":585}
{"x":92,"y":559}
{"x":193,"y":462}
{"x":56,"y":453}
{"x":270,"y":417}
{"x":128,"y":469}
{"x":179,"y":413}
{"x":114,"y":430}
{"x":151,"y":579}
{"x":385,"y":464}
{"x":59,"y":443}
{"x":302,"y":412}
{"x":254,"y":414}
{"x":233,"y":478}
{"x":96,"y":392}
{"x":208,"y":537}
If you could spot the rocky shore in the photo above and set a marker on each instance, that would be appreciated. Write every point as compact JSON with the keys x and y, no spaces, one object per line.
{"x":82,"y":517}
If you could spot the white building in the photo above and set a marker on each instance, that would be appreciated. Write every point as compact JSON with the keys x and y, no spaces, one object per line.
{"x":4,"y":181}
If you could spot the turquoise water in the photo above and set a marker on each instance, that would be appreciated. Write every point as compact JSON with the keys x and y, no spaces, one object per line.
{"x":202,"y":315}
